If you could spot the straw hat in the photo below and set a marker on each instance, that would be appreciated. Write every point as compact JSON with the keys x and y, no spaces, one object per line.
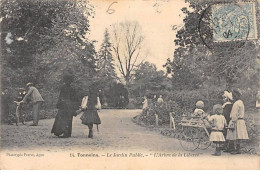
{"x":228,"y":95}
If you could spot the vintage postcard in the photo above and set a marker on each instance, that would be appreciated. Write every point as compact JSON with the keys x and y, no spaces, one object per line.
{"x":130,"y":84}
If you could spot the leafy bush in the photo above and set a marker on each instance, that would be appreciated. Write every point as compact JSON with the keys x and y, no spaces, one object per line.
{"x":163,"y":110}
{"x":135,"y":103}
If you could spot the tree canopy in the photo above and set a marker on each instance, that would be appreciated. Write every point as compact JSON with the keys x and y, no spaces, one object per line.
{"x":42,"y":39}
{"x":206,"y":60}
{"x":148,"y":80}
{"x":105,"y":61}
{"x":127,"y":43}
{"x":32,"y":27}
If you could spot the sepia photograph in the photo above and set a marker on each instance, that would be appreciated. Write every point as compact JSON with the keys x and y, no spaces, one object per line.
{"x":130,"y":84}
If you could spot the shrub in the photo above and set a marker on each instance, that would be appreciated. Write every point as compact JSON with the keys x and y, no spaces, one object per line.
{"x":162,"y":110}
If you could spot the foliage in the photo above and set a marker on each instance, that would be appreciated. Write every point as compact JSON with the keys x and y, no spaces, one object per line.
{"x":66,"y":58}
{"x":210,"y":63}
{"x":116,"y":96}
{"x":32,"y":27}
{"x":148,"y":81}
{"x":183,"y":102}
{"x":163,"y":110}
{"x":41,"y":41}
{"x":105,"y":63}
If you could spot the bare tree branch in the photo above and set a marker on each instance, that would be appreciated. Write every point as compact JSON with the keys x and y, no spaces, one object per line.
{"x":127,"y":50}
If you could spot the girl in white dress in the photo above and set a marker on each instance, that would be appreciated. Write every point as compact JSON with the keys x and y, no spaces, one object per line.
{"x":237,"y":127}
{"x":218,"y":122}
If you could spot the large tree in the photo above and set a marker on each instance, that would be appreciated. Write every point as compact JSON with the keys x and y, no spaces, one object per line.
{"x":42,"y":39}
{"x":148,"y":80}
{"x":127,"y":43}
{"x":105,"y":61}
{"x":30,"y":27}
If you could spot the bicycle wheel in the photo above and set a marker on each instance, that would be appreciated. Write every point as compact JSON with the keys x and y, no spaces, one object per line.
{"x":201,"y":136}
{"x":186,"y":139}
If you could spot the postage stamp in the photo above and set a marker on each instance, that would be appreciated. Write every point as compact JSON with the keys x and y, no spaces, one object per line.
{"x":232,"y":22}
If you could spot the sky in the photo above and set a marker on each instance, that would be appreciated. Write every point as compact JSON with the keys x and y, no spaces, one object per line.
{"x":156,"y":17}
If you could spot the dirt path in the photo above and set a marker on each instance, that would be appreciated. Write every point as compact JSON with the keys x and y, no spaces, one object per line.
{"x":120,"y":144}
{"x":116,"y":133}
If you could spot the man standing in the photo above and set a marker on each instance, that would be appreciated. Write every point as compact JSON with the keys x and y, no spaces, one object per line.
{"x":160,"y":99}
{"x":34,"y":95}
{"x":145,"y":103}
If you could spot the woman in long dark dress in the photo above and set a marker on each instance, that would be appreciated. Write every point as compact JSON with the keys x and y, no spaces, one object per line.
{"x":90,"y":115}
{"x":67,"y":105}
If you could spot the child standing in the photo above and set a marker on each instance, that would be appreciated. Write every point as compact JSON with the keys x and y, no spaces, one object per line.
{"x":218,"y":122}
{"x":90,"y":115}
{"x":237,"y":128}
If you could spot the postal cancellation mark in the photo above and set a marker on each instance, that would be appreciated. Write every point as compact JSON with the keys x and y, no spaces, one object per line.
{"x":233,"y":22}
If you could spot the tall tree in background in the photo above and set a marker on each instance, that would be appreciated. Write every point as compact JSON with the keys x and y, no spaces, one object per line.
{"x":127,"y":44}
{"x":105,"y":65}
{"x":149,"y":81}
{"x":33,"y":26}
{"x":41,"y":39}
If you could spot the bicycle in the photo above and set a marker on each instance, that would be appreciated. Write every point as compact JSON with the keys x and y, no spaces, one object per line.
{"x":20,"y":116}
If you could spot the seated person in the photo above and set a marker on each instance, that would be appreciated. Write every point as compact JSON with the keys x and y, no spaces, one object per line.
{"x":199,"y":112}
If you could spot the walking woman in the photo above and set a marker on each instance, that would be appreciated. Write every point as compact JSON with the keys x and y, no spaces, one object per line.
{"x":237,"y":128}
{"x":90,"y":115}
{"x":67,"y":105}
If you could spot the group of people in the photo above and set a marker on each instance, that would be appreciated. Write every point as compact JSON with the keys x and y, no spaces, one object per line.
{"x":155,"y":100}
{"x":227,"y":123}
{"x":68,"y":107}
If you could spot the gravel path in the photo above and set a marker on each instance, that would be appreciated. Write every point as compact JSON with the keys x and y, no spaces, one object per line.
{"x":117,"y":132}
{"x":119,"y":144}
